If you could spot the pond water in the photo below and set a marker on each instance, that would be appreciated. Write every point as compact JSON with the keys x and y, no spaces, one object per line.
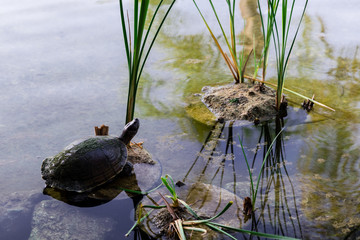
{"x":63,"y":71}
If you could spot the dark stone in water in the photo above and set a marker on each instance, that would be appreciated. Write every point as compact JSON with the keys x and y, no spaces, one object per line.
{"x":354,"y":235}
{"x":15,"y":214}
{"x":205,"y":199}
{"x":54,"y":220}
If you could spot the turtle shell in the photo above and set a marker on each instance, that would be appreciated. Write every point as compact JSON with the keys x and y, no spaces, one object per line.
{"x":84,"y":165}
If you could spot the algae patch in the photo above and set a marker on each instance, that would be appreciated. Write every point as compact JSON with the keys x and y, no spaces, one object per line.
{"x":200,"y":113}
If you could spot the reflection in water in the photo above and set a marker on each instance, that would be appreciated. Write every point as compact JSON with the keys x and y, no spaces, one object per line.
{"x":252,"y":35}
{"x":99,"y":195}
{"x":284,"y":216}
{"x":318,"y":66}
{"x":67,"y":57}
{"x":220,"y":162}
{"x":331,"y":181}
{"x":330,"y":162}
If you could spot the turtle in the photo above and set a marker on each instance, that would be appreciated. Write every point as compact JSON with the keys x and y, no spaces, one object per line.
{"x":86,"y":164}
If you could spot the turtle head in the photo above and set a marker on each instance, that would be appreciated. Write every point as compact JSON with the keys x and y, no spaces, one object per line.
{"x":130,"y":131}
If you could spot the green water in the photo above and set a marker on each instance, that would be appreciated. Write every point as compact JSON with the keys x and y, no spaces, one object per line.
{"x":63,"y":71}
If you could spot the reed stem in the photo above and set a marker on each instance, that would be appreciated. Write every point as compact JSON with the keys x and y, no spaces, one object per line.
{"x":136,"y":46}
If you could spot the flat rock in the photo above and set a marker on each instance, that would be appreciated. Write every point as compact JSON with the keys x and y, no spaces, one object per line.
{"x":55,"y":220}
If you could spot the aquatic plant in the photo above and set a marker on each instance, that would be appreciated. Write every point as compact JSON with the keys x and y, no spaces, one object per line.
{"x":267,"y":30}
{"x":138,"y":46}
{"x":168,"y":182}
{"x":180,"y":225}
{"x":275,"y":181}
{"x":280,"y":35}
{"x":220,"y":227}
{"x":237,"y":61}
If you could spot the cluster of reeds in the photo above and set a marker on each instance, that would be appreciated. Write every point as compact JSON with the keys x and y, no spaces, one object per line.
{"x":237,"y":60}
{"x":273,"y":29}
{"x":280,"y":33}
{"x":138,"y":44}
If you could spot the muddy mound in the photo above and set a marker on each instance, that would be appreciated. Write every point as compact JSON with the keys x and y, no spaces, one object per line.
{"x":240,"y":102}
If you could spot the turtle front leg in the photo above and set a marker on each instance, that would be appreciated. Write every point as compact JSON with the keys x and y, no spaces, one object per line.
{"x":128,"y":169}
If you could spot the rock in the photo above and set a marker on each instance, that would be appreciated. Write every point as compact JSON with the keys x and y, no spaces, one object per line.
{"x":55,"y":220}
{"x":240,"y":102}
{"x":206,"y":200}
{"x":15,"y":214}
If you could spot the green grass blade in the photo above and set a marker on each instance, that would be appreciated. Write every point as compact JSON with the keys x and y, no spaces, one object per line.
{"x":154,"y":38}
{"x":220,"y":25}
{"x":171,"y":181}
{"x":136,"y":14}
{"x":212,"y":218}
{"x":296,"y":33}
{"x":149,"y":29}
{"x":206,"y":223}
{"x":290,"y":19}
{"x":263,"y":164}
{"x":266,"y":235}
{"x":189,"y":209}
{"x":170,"y":185}
{"x":195,"y":229}
{"x":249,"y":170}
{"x":154,"y":207}
{"x":232,"y":65}
{"x":140,"y":31}
{"x":125,"y":35}
{"x":138,"y":222}
{"x":212,"y":226}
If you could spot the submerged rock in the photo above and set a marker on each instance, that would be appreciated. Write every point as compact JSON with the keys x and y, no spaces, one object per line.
{"x":207,"y":200}
{"x":54,"y":220}
{"x":196,"y":110}
{"x":15,"y":214}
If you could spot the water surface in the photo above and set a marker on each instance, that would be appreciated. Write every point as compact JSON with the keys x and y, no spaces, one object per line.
{"x":63,"y":71}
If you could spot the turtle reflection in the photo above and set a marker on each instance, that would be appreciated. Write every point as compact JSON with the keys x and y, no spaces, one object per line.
{"x":99,"y":195}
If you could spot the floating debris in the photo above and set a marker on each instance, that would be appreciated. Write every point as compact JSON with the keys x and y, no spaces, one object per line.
{"x":308,"y":104}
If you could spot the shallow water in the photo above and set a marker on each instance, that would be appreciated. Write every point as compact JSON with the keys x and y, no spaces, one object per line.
{"x":63,"y":71}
